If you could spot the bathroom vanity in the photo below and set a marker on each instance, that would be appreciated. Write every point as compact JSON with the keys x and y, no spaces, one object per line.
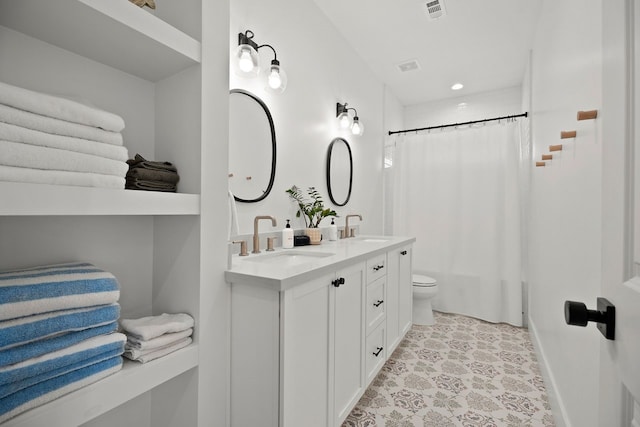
{"x":312,"y":326}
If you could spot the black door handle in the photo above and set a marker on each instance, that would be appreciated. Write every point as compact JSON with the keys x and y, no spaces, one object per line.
{"x":577,"y":314}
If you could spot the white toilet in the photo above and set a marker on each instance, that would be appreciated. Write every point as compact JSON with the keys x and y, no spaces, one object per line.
{"x":424,"y":289}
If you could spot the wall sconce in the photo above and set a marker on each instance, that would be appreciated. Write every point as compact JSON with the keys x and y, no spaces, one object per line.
{"x":342,"y":113}
{"x":248,"y":64}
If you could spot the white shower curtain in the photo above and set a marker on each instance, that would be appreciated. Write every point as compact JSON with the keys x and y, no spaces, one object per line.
{"x":458,"y":192}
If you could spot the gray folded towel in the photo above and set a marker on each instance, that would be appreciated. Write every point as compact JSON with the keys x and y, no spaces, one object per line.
{"x":153,"y":175}
{"x":141,"y":184}
{"x":141,"y":162}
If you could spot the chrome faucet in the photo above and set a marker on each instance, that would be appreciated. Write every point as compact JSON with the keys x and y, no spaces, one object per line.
{"x":347,"y":233}
{"x":256,"y":236}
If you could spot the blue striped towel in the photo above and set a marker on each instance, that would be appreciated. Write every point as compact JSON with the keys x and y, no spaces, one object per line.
{"x":38,"y":348}
{"x":33,"y":371}
{"x":51,"y":389}
{"x":32,"y":328}
{"x":37,"y":290}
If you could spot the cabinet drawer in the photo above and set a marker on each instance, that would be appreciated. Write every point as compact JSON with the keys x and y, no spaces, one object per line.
{"x":376,"y":306}
{"x":375,"y":352}
{"x":376,"y":267}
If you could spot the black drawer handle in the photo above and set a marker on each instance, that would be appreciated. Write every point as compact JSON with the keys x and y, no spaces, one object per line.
{"x":339,"y":281}
{"x":378,"y":303}
{"x":378,"y":267}
{"x":377,"y":353}
{"x":403,"y":253}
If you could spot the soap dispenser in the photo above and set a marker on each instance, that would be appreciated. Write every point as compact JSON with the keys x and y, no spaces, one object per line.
{"x":287,"y":237}
{"x":333,"y":231}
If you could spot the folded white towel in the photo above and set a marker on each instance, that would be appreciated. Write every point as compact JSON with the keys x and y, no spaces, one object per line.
{"x":155,"y":354}
{"x":150,"y":327}
{"x":46,"y":124}
{"x":32,"y":156}
{"x":59,"y":108}
{"x":14,"y":133}
{"x":41,"y":176}
{"x":155,"y":343}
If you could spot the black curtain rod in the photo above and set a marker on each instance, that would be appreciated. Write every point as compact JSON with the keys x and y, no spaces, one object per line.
{"x":458,"y":124}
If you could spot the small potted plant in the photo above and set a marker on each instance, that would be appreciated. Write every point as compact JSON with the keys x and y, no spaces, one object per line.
{"x":312,"y":210}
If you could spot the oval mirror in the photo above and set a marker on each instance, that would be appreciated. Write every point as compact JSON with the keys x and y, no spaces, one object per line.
{"x":252,"y":147}
{"x":339,"y":171}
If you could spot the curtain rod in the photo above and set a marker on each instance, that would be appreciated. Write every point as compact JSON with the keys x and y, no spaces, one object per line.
{"x":459,"y":124}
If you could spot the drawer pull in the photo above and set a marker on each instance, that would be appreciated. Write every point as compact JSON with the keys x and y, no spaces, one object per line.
{"x":377,"y":353}
{"x":338,"y":282}
{"x":378,"y":267}
{"x":403,"y":253}
{"x":378,"y":303}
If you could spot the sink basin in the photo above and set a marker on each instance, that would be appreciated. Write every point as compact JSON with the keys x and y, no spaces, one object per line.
{"x":288,"y":258}
{"x":371,"y":239}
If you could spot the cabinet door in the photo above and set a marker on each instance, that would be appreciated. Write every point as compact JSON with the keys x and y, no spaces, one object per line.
{"x":348,"y":326}
{"x":405,"y":290}
{"x":304,"y":321}
{"x":393,"y":326}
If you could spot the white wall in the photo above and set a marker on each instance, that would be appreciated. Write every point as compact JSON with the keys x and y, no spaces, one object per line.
{"x":498,"y":103}
{"x":322,"y":70}
{"x":565,"y":216}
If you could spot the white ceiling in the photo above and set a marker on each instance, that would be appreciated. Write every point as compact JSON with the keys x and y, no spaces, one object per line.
{"x":483,"y":44}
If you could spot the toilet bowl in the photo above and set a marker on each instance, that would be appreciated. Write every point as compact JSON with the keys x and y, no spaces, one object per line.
{"x":424,"y":289}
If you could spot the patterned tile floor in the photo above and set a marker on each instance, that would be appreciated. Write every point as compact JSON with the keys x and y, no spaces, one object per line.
{"x":459,"y":372}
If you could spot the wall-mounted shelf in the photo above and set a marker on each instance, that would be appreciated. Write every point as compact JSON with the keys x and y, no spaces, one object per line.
{"x":39,"y":199}
{"x":116,"y":33}
{"x":89,"y":402}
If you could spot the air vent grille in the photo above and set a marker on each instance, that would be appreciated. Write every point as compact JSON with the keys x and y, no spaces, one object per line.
{"x":434,"y":9}
{"x":410,"y":65}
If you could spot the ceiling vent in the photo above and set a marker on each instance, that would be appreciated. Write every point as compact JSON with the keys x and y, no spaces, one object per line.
{"x":434,"y":9}
{"x":411,"y":65}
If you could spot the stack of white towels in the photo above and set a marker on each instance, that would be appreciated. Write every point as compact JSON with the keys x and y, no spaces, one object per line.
{"x":151,"y":337}
{"x":46,"y":139}
{"x":58,"y":328}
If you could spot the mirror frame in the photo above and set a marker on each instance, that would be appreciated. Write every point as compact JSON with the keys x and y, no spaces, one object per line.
{"x":329,"y":150}
{"x":273,"y":146}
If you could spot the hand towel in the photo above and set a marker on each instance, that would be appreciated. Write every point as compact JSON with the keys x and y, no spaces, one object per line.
{"x":31,"y":156}
{"x":46,"y":391}
{"x":30,"y":291}
{"x":153,"y":175}
{"x":140,"y":162}
{"x":37,"y":348}
{"x":155,"y":354}
{"x":15,"y":133}
{"x":150,"y":327}
{"x":46,"y":124}
{"x":136,"y":354}
{"x":51,"y":177}
{"x":59,"y":108}
{"x":139,"y":184}
{"x":155,"y":343}
{"x":33,"y":371}
{"x":33,"y":328}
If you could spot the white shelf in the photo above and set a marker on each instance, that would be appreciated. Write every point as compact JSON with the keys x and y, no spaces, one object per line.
{"x":89,"y":402}
{"x":20,"y":199}
{"x":113,"y":32}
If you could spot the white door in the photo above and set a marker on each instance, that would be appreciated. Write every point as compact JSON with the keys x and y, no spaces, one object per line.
{"x":620,"y":359}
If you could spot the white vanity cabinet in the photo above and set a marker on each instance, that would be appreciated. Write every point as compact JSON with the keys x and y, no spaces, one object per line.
{"x":305,"y":344}
{"x":399,"y":295}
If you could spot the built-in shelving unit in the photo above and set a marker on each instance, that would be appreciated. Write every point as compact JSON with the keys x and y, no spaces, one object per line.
{"x":146,"y":66}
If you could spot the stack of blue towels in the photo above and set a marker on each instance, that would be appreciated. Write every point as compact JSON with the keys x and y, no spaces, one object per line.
{"x":58,"y":328}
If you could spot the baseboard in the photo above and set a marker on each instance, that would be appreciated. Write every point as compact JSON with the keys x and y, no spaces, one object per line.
{"x":555,"y":400}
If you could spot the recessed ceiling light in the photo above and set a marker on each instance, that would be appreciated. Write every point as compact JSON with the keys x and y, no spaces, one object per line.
{"x":462,"y":106}
{"x":457,"y":86}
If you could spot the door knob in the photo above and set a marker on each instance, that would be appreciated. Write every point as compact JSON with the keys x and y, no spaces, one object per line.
{"x":577,"y":314}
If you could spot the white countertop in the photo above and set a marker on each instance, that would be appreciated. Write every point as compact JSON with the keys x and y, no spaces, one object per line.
{"x":283,"y":269}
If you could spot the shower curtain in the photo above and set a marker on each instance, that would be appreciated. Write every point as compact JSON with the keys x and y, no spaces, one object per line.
{"x":459,"y":193}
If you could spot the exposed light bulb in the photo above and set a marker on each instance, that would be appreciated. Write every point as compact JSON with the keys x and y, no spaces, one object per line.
{"x":343,"y":120}
{"x":274,"y":77}
{"x":357,"y":128}
{"x":245,"y":62}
